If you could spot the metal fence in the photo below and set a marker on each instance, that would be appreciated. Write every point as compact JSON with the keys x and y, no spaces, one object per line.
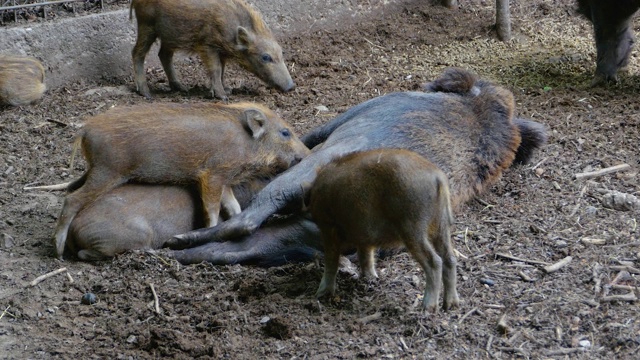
{"x":40,"y":6}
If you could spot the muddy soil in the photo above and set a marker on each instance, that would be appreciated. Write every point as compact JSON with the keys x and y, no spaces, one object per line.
{"x":538,"y":214}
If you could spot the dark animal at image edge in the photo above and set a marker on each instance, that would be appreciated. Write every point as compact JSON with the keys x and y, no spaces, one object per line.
{"x":218,"y":31}
{"x":386,"y":198}
{"x":613,"y":33}
{"x":227,"y":145}
{"x":463,"y":125}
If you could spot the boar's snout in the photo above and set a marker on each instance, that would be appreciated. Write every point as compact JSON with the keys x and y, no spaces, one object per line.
{"x":288,"y":87}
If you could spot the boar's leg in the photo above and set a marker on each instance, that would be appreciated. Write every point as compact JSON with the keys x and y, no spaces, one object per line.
{"x":423,"y":252}
{"x":367,"y":262}
{"x":215,"y":68}
{"x":278,"y":242}
{"x":211,"y":190}
{"x":166,"y":58}
{"x":146,"y":37}
{"x":229,"y":202}
{"x":331,"y":261}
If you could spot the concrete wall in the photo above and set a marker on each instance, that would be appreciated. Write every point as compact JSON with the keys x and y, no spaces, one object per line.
{"x":99,"y":45}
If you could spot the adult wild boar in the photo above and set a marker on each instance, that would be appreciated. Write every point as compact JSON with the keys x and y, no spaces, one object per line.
{"x":212,"y":145}
{"x":463,"y":125}
{"x":612,"y":28}
{"x":384,"y":198}
{"x":217,"y":30}
{"x":21,"y":80}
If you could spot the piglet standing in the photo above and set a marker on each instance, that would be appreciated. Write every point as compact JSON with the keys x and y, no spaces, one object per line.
{"x":215,"y":146}
{"x":384,"y":198}
{"x":21,"y":80}
{"x":218,"y":31}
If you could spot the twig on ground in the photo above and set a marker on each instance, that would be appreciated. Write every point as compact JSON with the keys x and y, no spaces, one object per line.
{"x":564,"y":351}
{"x":622,"y":276}
{"x":502,"y":325}
{"x":44,"y":277}
{"x":156,"y":302}
{"x":557,"y":266}
{"x":467,"y":315}
{"x":524,"y":276}
{"x":627,"y":297}
{"x":593,"y":241}
{"x":539,"y":163}
{"x":637,"y":243}
{"x":608,"y":170}
{"x":514,"y":258}
{"x":70,"y":278}
{"x":575,"y":209}
{"x":62,"y":186}
{"x":5,"y":311}
{"x":630,"y":269}
{"x":369,"y":318}
{"x":489,"y":343}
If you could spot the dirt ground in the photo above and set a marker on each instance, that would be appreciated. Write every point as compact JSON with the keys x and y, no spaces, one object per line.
{"x":511,"y":308}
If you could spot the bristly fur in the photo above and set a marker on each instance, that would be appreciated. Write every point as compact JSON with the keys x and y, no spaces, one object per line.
{"x":533,"y":135}
{"x":453,"y":80}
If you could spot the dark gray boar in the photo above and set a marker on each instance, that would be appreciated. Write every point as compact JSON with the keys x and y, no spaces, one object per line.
{"x":612,"y":28}
{"x":218,"y":31}
{"x":385,"y":198}
{"x":212,"y":145}
{"x":463,"y":125}
{"x":21,"y":80}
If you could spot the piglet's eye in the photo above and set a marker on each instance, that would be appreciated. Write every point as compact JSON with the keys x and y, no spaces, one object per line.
{"x":267,"y":58}
{"x":285,"y":132}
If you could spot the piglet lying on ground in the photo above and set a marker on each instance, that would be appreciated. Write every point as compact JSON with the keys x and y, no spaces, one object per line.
{"x":21,"y":80}
{"x":385,"y":198}
{"x":214,"y":146}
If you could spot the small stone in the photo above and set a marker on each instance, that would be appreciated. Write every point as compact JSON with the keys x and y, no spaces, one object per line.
{"x":584,"y":343}
{"x":264,"y":320}
{"x":591,"y":210}
{"x":539,"y":171}
{"x":88,"y":299}
{"x":321,"y":108}
{"x":487,"y":282}
{"x":132,"y":339}
{"x":561,"y":244}
{"x":7,"y":241}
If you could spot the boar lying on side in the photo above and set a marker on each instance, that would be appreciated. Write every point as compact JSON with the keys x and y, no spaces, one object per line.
{"x":385,"y":198}
{"x":212,"y":145}
{"x":463,"y":125}
{"x":21,"y":80}
{"x":218,"y":31}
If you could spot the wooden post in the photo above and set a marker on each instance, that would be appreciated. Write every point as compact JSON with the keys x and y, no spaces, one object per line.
{"x":503,"y":20}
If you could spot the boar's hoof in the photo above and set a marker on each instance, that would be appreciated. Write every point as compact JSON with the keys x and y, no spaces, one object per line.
{"x":176,"y":86}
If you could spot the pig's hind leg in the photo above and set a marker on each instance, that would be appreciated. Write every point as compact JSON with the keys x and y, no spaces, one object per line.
{"x":331,"y":262}
{"x":215,"y":68}
{"x":93,"y":188}
{"x":146,"y":37}
{"x":424,"y":253}
{"x":444,"y":248}
{"x":211,"y":191}
{"x":166,"y":58}
{"x":229,"y":202}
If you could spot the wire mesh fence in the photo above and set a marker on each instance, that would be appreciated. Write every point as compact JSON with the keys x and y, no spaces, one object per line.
{"x":25,"y":11}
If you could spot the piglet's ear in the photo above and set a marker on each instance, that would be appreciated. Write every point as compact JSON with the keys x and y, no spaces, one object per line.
{"x":244,"y":39}
{"x":254,"y":120}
